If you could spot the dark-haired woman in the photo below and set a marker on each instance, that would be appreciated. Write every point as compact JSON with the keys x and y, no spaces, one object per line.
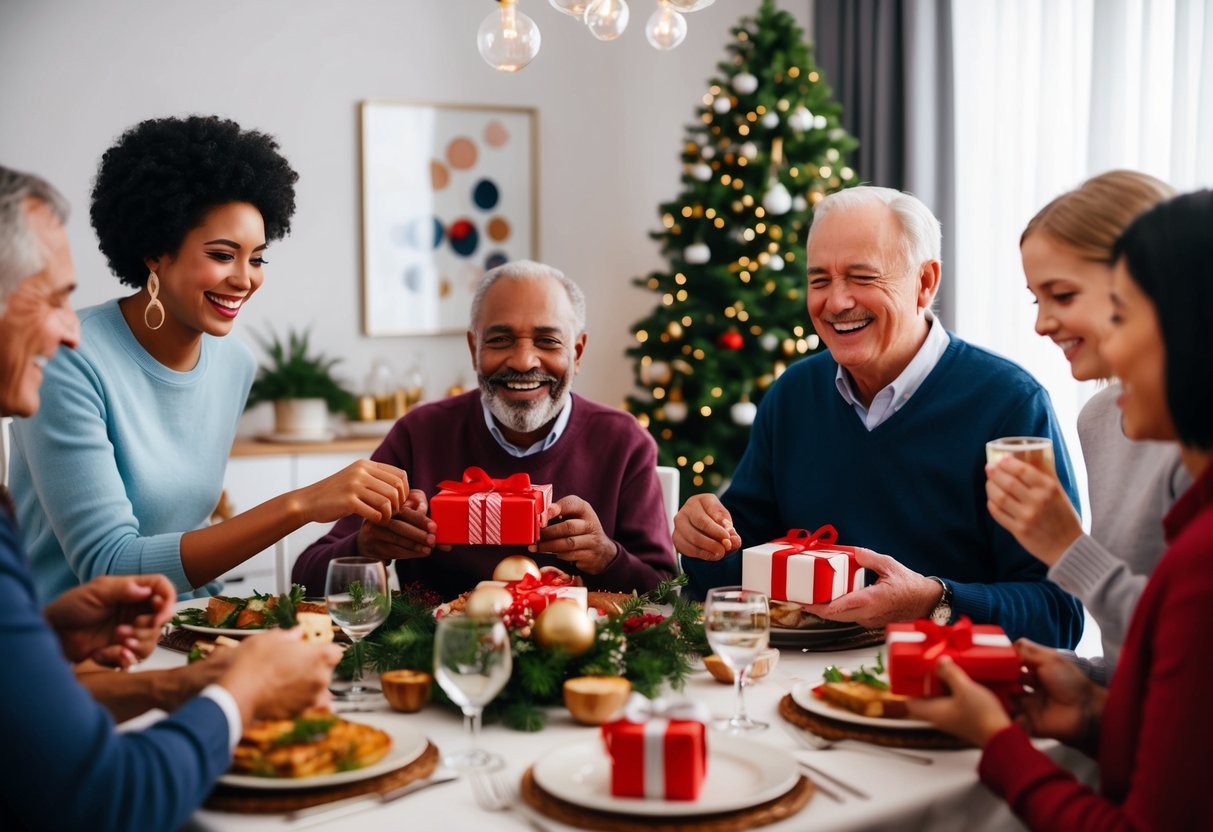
{"x":1150,"y":730}
{"x":121,"y":468}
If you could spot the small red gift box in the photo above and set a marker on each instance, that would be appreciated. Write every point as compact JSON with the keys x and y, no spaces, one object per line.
{"x":982,"y":650}
{"x":802,"y":567}
{"x":537,"y":594}
{"x":480,"y":509}
{"x":658,"y":752}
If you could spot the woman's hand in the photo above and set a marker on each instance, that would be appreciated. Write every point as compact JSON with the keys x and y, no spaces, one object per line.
{"x":970,"y":711}
{"x":1033,"y":507}
{"x":372,"y":490}
{"x":409,"y":534}
{"x":1063,"y":704}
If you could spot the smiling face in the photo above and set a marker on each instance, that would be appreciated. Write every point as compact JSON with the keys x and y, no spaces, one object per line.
{"x":1074,"y":308}
{"x":868,"y":308}
{"x":38,"y":316}
{"x":1133,"y":349}
{"x":525,"y":353}
{"x":215,"y":271}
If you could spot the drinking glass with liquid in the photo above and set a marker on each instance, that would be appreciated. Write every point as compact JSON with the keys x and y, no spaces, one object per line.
{"x":738,"y":626}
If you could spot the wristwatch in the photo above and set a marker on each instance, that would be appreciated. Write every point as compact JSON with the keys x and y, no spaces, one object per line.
{"x":942,"y":614}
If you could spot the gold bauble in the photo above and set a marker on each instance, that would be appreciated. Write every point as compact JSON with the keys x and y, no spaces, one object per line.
{"x":488,"y":602}
{"x":566,"y":625}
{"x":515,"y":568}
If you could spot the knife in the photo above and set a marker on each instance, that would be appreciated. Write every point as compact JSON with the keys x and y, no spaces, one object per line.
{"x":357,"y":803}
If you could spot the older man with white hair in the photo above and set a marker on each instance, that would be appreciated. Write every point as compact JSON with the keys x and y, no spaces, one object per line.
{"x":608,"y":525}
{"x":884,"y":436}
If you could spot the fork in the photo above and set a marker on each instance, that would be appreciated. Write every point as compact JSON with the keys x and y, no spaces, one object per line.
{"x":820,"y":743}
{"x":494,"y":794}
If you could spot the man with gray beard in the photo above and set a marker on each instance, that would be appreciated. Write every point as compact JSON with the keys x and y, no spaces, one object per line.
{"x":527,"y":338}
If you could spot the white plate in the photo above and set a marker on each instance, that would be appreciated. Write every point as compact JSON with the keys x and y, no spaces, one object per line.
{"x":802,"y":695}
{"x":200,"y":603}
{"x":741,"y":773}
{"x":288,"y":438}
{"x":818,"y":638}
{"x":407,"y":745}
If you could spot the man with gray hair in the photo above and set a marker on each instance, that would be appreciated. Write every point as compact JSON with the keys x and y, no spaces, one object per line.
{"x":883,"y":437}
{"x":527,"y":338}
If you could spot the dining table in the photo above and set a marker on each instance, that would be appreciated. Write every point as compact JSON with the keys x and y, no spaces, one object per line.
{"x":899,"y":794}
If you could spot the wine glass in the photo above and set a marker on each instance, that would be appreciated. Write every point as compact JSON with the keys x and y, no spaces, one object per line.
{"x":738,"y":626}
{"x":356,"y":590}
{"x":472,"y":663}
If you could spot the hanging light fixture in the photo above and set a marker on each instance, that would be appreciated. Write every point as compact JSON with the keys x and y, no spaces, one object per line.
{"x":508,"y":40}
{"x":666,"y":27}
{"x":573,"y":8}
{"x":607,"y":19}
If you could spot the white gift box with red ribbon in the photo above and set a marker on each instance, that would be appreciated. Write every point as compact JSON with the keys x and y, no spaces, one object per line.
{"x":802,"y":567}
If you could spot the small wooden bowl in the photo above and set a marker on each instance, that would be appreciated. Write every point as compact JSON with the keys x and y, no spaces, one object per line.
{"x":592,"y":700}
{"x":406,"y":690}
{"x":721,"y":673}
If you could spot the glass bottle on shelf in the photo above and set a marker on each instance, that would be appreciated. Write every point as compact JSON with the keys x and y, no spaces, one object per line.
{"x":379,"y":384}
{"x":414,"y":381}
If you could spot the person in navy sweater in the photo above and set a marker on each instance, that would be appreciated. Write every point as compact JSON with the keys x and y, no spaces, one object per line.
{"x":66,"y":767}
{"x":527,"y":338}
{"x":883,"y":437}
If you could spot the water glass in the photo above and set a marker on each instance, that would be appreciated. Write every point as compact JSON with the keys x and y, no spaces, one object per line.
{"x":738,"y":626}
{"x":356,"y":590}
{"x":472,"y":663}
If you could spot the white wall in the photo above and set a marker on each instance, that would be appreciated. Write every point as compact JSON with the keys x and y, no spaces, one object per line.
{"x":75,"y":73}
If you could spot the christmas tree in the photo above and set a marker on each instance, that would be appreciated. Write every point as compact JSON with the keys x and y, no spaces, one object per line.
{"x":766,"y":147}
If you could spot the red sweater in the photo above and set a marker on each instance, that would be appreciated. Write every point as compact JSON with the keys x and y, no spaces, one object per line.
{"x":603,"y":456}
{"x":1156,"y":732}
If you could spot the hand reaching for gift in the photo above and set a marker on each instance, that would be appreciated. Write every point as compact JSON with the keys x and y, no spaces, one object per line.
{"x":970,"y":711}
{"x":578,"y":538}
{"x":703,"y":529}
{"x":373,"y":490}
{"x":409,"y":534}
{"x":1063,"y":704}
{"x":899,"y":594}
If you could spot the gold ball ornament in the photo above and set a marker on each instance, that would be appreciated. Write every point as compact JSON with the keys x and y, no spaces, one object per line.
{"x":488,"y":602}
{"x":565,"y":625}
{"x":515,"y":568}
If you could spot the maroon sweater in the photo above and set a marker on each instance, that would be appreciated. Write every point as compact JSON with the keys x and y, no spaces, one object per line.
{"x":603,"y":456}
{"x":1156,"y":732}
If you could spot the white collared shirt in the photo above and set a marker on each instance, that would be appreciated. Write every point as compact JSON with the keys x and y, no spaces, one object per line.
{"x":891,"y":398}
{"x":543,"y":444}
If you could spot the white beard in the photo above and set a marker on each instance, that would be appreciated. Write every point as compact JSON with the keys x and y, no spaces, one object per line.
{"x":526,"y":417}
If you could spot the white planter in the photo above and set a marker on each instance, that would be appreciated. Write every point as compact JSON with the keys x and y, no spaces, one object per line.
{"x":301,"y":417}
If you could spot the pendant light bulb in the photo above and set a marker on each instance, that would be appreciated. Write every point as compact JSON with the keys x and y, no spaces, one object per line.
{"x":666,"y":28}
{"x":573,"y":8}
{"x":607,"y":19}
{"x":508,"y":40}
{"x":691,"y":5}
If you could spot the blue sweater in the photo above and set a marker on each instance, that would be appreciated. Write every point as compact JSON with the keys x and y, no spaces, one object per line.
{"x":124,"y":454}
{"x":913,"y":488}
{"x":65,"y":767}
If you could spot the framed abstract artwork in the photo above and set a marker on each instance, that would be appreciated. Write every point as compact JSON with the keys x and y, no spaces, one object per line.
{"x":448,"y":192}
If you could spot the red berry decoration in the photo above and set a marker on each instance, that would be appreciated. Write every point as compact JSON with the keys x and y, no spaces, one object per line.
{"x":730,"y":340}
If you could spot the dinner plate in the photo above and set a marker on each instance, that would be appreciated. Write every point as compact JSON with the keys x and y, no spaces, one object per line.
{"x":200,"y":603}
{"x":407,"y":745}
{"x":802,"y":695}
{"x":813,"y":636}
{"x":741,"y":773}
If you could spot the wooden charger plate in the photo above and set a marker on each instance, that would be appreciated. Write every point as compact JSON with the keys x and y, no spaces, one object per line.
{"x":773,"y":811}
{"x":835,"y":729}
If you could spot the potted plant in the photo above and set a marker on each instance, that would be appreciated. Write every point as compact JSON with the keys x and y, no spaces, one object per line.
{"x":300,"y":385}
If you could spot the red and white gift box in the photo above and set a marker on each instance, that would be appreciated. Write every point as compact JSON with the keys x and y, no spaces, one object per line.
{"x":483,"y":510}
{"x":802,"y":567}
{"x":983,"y":651}
{"x":658,"y":751}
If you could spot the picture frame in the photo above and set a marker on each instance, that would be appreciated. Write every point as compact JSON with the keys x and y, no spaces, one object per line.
{"x":448,"y":192}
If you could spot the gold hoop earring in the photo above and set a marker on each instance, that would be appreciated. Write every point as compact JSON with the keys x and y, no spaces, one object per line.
{"x":154,"y":309}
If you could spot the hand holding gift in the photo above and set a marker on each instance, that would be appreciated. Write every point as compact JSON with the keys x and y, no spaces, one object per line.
{"x":409,"y":534}
{"x":898,"y":594}
{"x":802,"y":567}
{"x":578,"y":538}
{"x":658,"y":750}
{"x":482,"y":510}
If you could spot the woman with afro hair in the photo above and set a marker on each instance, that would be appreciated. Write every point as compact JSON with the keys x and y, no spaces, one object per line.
{"x":121,"y":467}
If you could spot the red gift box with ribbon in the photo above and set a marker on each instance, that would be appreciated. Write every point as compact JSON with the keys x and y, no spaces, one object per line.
{"x":483,"y":510}
{"x":658,"y":751}
{"x":803,"y":567}
{"x":982,"y":650}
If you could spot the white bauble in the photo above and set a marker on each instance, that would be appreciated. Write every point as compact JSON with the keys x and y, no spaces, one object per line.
{"x":820,"y":122}
{"x":659,"y":372}
{"x":775,"y":264}
{"x":675,"y":412}
{"x":722,"y":104}
{"x":769,"y":341}
{"x":708,"y":152}
{"x":701,"y":172}
{"x":777,"y":200}
{"x":697,"y":254}
{"x":799,"y":203}
{"x":770,"y":120}
{"x":801,"y":119}
{"x":749,"y":150}
{"x":814,"y":341}
{"x":743,"y":413}
{"x":744,"y":83}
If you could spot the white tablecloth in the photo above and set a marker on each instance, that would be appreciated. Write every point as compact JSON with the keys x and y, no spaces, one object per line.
{"x":905,"y":796}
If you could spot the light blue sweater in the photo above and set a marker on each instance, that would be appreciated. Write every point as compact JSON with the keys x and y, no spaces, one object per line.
{"x":124,"y":455}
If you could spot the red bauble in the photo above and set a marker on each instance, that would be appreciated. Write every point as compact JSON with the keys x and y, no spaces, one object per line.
{"x":730,"y":341}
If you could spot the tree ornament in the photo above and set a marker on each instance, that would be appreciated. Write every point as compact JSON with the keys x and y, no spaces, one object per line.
{"x":708,"y":152}
{"x":778,"y":369}
{"x":801,"y":119}
{"x":743,"y":412}
{"x":702,"y":172}
{"x":769,"y":341}
{"x":770,"y":120}
{"x":659,"y":373}
{"x":820,"y":122}
{"x":789,"y":346}
{"x":799,"y":203}
{"x":748,"y":150}
{"x":722,"y":104}
{"x":566,"y":626}
{"x":515,"y":568}
{"x":744,"y":83}
{"x":775,"y":264}
{"x":777,"y":200}
{"x":765,"y":380}
{"x":675,"y":329}
{"x":675,"y":412}
{"x":697,"y":254}
{"x":731,"y":340}
{"x":488,"y":602}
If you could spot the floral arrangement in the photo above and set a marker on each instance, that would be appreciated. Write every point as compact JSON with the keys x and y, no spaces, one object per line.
{"x":649,"y":649}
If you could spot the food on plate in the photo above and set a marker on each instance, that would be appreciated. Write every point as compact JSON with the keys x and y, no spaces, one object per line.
{"x":316,"y":742}
{"x":864,"y":692}
{"x":721,"y":672}
{"x":316,"y":626}
{"x":608,"y":603}
{"x":258,"y":612}
{"x":592,"y":700}
{"x":792,"y":616}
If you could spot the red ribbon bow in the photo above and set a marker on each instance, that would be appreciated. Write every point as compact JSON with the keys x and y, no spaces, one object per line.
{"x":943,"y":639}
{"x":799,"y":541}
{"x":477,"y":481}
